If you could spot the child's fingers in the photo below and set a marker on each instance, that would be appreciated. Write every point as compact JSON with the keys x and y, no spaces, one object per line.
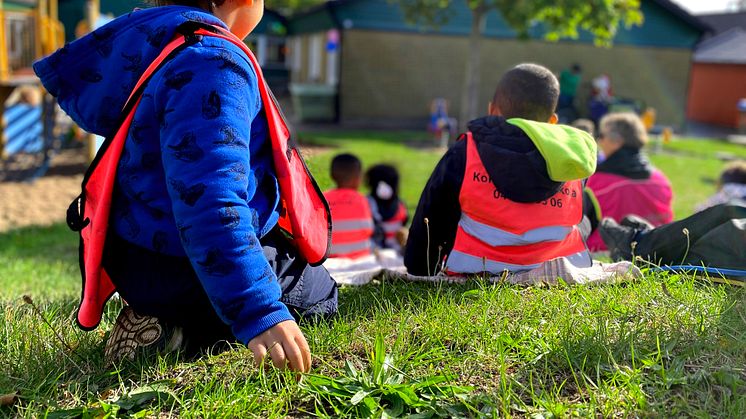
{"x":294,"y":355}
{"x":259,"y":351}
{"x":277,"y":353}
{"x":305,"y":351}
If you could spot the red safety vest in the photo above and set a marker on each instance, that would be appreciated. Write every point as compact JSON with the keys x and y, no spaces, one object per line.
{"x":352,"y":223}
{"x":393,"y":225}
{"x":496,"y":234}
{"x":304,"y":214}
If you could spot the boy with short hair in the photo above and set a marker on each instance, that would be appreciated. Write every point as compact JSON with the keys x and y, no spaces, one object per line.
{"x":353,"y":224}
{"x":509,"y":195}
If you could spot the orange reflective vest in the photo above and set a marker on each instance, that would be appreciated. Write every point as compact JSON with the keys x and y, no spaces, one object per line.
{"x":496,"y":234}
{"x":393,"y":225}
{"x":352,"y":223}
{"x":304,"y":214}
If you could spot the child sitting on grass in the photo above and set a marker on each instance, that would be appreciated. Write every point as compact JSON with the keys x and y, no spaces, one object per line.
{"x":383,"y":183}
{"x":509,"y":194}
{"x":193,"y":242}
{"x":353,"y":226}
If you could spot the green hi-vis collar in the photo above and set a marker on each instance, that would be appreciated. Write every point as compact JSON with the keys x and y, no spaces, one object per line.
{"x":569,"y":152}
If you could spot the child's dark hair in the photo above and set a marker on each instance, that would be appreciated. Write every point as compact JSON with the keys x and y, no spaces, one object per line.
{"x":346,"y":168}
{"x":201,"y":4}
{"x":528,"y":91}
{"x":383,"y":173}
{"x":734,"y":172}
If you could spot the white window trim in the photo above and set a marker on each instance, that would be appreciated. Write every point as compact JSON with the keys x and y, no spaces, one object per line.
{"x":315,"y":55}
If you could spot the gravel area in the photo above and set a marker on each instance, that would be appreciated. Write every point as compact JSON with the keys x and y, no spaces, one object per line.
{"x":45,"y":200}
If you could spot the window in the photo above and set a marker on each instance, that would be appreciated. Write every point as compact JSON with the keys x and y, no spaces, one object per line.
{"x":19,"y":33}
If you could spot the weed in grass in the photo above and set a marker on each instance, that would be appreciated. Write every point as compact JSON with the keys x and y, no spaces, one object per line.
{"x":385,"y":390}
{"x":133,"y":404}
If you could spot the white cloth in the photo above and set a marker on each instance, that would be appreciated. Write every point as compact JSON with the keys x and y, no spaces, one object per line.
{"x":360,"y":271}
{"x":363,"y":270}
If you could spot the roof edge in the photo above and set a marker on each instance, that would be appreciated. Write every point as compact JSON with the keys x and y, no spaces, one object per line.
{"x":684,"y":15}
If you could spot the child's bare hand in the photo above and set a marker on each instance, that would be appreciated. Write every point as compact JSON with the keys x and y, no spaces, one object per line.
{"x":285,"y":344}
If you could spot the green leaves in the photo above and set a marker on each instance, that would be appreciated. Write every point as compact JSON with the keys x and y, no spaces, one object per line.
{"x":384,"y":390}
{"x":132,"y":405}
{"x":557,"y":19}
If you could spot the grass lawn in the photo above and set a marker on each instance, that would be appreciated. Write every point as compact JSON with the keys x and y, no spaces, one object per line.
{"x":659,"y":347}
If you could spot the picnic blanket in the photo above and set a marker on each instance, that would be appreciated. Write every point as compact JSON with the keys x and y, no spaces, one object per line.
{"x":389,"y":264}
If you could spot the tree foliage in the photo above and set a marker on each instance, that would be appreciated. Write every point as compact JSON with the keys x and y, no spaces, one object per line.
{"x":288,"y":7}
{"x":559,"y":18}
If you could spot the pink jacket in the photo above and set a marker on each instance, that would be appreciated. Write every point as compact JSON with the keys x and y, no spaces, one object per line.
{"x":619,"y":196}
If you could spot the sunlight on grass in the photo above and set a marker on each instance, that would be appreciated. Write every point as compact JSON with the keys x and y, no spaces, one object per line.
{"x":666,"y":345}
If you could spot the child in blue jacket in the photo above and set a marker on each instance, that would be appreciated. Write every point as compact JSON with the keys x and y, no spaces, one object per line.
{"x":193,"y":246}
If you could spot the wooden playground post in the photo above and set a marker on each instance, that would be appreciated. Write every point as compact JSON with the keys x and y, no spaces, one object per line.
{"x":4,"y":74}
{"x":4,"y":70}
{"x":39,"y":26}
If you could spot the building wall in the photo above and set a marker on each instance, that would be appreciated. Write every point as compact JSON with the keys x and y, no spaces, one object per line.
{"x":714,"y":92}
{"x":396,"y":75}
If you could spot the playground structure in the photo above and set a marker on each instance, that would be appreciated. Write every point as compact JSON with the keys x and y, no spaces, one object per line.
{"x":29,"y":30}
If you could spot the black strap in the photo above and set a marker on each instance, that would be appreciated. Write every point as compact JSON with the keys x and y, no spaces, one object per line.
{"x":75,"y":219}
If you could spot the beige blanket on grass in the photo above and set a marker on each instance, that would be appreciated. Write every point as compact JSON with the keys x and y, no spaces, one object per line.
{"x":388,"y":264}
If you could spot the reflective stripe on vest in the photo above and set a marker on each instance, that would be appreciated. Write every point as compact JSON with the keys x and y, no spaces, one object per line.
{"x":308,"y":224}
{"x":351,"y":250}
{"x":352,"y":223}
{"x":496,"y":237}
{"x":496,"y":234}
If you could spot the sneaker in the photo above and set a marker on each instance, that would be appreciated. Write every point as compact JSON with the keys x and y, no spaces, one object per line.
{"x":133,"y":331}
{"x":618,"y":238}
{"x":636,"y":222}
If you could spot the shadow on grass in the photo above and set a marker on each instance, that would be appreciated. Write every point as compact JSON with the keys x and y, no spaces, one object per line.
{"x":687,"y":363}
{"x":366,"y":301}
{"x":56,"y":368}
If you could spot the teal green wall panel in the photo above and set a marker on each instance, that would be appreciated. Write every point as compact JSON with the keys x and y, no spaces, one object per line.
{"x":319,"y":20}
{"x":120,"y":7}
{"x":272,"y":23}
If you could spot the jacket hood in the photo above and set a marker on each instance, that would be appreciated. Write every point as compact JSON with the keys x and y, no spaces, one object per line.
{"x":529,"y":161}
{"x":93,"y":76}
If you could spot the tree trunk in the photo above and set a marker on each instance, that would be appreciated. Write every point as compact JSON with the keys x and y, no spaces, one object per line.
{"x":470,"y":90}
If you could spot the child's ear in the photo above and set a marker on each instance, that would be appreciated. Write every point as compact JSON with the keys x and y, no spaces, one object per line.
{"x":553,"y":119}
{"x":493,"y":110}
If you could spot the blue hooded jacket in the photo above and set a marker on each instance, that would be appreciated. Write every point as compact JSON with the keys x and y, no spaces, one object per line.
{"x":195,"y":177}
